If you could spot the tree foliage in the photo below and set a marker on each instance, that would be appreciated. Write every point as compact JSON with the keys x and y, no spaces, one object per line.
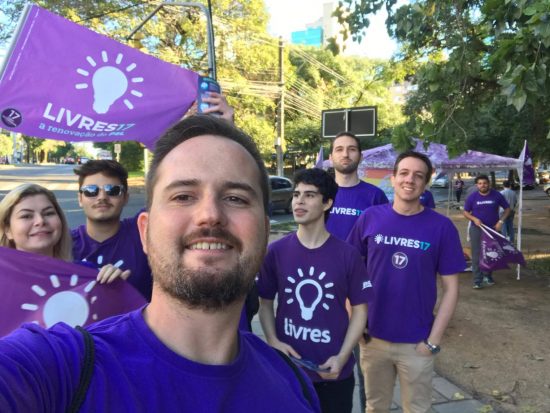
{"x":247,"y":65}
{"x":481,"y":69}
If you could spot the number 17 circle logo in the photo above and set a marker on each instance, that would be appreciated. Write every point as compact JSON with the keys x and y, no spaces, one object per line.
{"x":399,"y":260}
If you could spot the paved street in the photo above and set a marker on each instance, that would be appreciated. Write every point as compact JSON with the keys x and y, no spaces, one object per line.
{"x":64,"y":183}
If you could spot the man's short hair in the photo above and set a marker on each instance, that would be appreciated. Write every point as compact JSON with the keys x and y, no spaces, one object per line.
{"x":351,"y":135}
{"x":417,"y":155}
{"x":199,"y":125}
{"x":481,"y":178}
{"x":102,"y":166}
{"x":506,"y":184}
{"x":320,"y":179}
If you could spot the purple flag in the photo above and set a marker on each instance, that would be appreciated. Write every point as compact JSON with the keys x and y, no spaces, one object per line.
{"x":528,"y":170}
{"x":497,"y":252}
{"x":320,"y":158}
{"x":43,"y":290}
{"x":63,"y":81}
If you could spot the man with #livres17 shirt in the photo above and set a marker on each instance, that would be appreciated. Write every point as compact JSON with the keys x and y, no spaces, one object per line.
{"x":405,"y":246}
{"x":481,"y":207}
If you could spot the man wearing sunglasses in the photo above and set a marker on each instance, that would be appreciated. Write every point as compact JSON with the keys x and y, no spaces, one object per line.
{"x":105,"y":238}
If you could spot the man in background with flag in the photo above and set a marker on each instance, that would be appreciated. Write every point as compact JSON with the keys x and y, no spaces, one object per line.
{"x":482,"y":207}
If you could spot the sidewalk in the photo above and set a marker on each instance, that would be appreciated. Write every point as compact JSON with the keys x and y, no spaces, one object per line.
{"x":446,"y":397}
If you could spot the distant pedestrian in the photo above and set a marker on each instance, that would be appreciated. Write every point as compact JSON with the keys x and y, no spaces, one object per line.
{"x":510,"y":196}
{"x":458,"y":186}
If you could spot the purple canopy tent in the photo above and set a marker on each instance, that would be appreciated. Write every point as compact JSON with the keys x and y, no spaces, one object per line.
{"x":383,"y":157}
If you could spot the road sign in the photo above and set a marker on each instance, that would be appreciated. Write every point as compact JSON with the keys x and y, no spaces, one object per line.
{"x":118,"y":148}
{"x":361,"y":121}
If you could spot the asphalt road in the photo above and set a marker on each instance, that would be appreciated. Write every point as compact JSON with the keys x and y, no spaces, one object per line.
{"x":63,"y":182}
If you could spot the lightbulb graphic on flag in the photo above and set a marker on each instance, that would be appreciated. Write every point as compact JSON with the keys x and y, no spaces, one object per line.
{"x":62,"y":304}
{"x":109,"y":82}
{"x":309,"y":292}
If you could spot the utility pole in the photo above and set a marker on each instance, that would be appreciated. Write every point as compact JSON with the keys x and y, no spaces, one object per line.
{"x":281,"y":116}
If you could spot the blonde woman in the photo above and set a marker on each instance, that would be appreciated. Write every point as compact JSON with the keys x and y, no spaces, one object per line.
{"x":31,"y":220}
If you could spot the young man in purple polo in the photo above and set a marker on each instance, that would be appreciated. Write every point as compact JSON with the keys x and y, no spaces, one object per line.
{"x":313,"y":273}
{"x":405,"y":246}
{"x":205,"y":234}
{"x":482,"y":207}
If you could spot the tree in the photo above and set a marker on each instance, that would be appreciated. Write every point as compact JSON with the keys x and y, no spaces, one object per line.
{"x":247,"y":63}
{"x":477,"y":60}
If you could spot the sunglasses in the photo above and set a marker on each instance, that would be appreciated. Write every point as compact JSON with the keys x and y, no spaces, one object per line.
{"x":91,"y":191}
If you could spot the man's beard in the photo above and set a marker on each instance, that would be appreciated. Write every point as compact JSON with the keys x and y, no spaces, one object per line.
{"x":350,"y":168}
{"x":206,"y":288}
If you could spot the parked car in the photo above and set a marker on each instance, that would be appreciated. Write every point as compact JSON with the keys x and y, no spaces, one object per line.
{"x":82,"y":160}
{"x":281,"y":193}
{"x":546,"y":188}
{"x":440,"y":181}
{"x":69,"y":160}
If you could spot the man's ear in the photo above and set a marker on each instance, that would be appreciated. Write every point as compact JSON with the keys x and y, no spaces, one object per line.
{"x":327,"y":205}
{"x":79,"y":199}
{"x":143,"y":224}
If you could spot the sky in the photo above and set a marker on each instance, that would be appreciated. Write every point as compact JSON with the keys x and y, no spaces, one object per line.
{"x":292,"y":15}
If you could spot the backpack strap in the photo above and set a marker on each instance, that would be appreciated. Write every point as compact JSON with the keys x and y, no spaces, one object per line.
{"x":299,"y":375}
{"x":86,"y":371}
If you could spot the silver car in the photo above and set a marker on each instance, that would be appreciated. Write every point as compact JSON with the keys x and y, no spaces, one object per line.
{"x":281,"y":193}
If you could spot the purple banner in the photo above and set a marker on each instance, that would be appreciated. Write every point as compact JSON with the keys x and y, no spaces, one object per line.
{"x":528,"y":170}
{"x":63,"y":81}
{"x":497,"y":252}
{"x":43,"y":290}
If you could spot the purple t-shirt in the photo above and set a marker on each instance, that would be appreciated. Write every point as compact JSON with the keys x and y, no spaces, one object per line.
{"x":427,"y":199}
{"x":485,"y":207}
{"x":404,"y":255}
{"x":135,"y":372}
{"x":350,"y":202}
{"x":124,"y":247}
{"x":312,"y":287}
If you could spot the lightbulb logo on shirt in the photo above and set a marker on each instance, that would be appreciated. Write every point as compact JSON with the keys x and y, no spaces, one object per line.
{"x":309,"y":292}
{"x":66,"y":305}
{"x":110,"y":81}
{"x":310,"y":300}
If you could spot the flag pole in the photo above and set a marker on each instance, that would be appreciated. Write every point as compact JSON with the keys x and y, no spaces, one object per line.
{"x":520,"y":218}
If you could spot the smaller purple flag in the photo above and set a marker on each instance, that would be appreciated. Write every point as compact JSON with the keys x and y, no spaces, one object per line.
{"x":528,"y":170}
{"x":320,"y":158}
{"x":497,"y":252}
{"x":42,"y":290}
